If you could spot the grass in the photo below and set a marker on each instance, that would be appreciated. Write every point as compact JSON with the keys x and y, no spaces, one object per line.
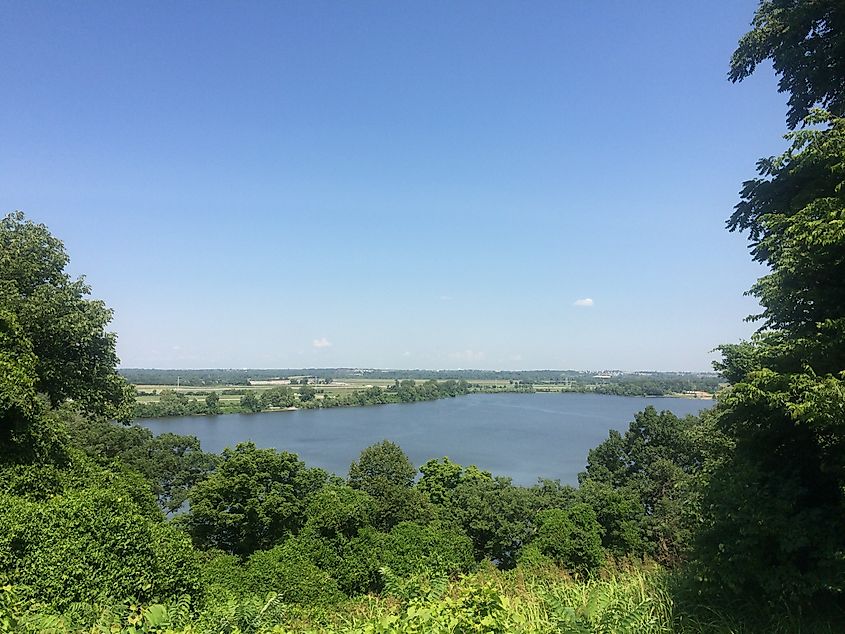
{"x":638,"y":599}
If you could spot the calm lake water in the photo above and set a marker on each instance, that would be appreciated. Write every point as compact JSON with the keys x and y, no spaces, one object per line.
{"x":524,"y":436}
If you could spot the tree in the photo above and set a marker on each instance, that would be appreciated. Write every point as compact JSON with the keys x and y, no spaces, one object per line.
{"x":93,"y":543}
{"x":386,"y":474}
{"x":306,"y":392}
{"x":382,"y":464}
{"x":170,"y":463}
{"x":806,"y":42}
{"x":70,"y":531}
{"x":570,"y":537}
{"x":496,"y":515}
{"x":212,"y":402}
{"x":278,"y":397}
{"x":74,"y":356}
{"x":18,"y":402}
{"x":250,"y":402}
{"x":289,"y":572}
{"x":775,"y":523}
{"x":255,"y":499}
{"x":649,"y":473}
{"x":439,"y":478}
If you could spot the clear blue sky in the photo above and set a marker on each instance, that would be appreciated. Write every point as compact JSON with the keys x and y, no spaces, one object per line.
{"x":410,"y":185}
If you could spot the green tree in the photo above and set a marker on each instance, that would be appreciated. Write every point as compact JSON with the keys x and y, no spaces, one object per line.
{"x":432,"y":549}
{"x":775,"y":523}
{"x":278,"y":397}
{"x":805,"y":41}
{"x":385,"y":473}
{"x":70,"y":531}
{"x":380,"y":465}
{"x":650,"y":473}
{"x":439,"y":478}
{"x":171,"y":464}
{"x":81,"y":533}
{"x":570,"y":537}
{"x":74,"y":355}
{"x":18,"y":401}
{"x":306,"y":392}
{"x":288,"y":571}
{"x":250,"y":402}
{"x":254,"y":500}
{"x":496,"y":515}
{"x":212,"y":402}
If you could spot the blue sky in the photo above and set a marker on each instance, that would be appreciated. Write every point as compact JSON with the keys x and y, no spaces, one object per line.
{"x":409,"y":185}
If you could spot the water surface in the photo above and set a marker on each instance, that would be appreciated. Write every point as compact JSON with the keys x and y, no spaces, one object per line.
{"x":524,"y":436}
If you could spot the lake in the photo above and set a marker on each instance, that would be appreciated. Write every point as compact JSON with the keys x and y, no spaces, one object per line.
{"x":524,"y":436}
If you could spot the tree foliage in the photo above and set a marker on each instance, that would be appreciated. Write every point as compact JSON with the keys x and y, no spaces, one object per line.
{"x":570,"y":537}
{"x":775,"y":521}
{"x":74,"y":356}
{"x":254,"y":499}
{"x":81,"y":533}
{"x":643,"y":484}
{"x":805,"y":40}
{"x":172,"y":464}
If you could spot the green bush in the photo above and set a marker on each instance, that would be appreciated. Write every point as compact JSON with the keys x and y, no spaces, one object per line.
{"x":93,"y":545}
{"x":288,"y":572}
{"x":571,"y":537}
{"x":413,"y":549}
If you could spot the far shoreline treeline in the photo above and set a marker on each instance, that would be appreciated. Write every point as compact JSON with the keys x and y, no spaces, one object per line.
{"x":267,"y":390}
{"x":242,"y":376}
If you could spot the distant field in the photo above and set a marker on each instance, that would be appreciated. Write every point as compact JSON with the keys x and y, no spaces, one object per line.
{"x":346,"y":385}
{"x":339,"y":386}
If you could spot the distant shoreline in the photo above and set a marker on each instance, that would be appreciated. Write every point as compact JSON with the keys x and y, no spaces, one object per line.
{"x":708,"y":397}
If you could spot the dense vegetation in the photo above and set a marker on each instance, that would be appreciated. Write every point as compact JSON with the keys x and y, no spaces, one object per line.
{"x":731,"y":521}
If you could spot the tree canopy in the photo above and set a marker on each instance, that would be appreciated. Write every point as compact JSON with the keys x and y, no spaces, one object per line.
{"x":775,"y":506}
{"x":805,"y":40}
{"x":49,"y":317}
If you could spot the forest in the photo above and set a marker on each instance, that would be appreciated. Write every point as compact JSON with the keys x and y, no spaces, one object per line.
{"x":732,"y":521}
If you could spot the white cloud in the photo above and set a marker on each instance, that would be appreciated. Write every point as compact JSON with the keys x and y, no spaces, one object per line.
{"x":322,"y":342}
{"x":445,"y":298}
{"x":584,"y":303}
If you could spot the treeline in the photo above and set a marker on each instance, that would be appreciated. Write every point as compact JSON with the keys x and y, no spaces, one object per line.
{"x":672,"y":381}
{"x":656,"y":386}
{"x":172,"y":403}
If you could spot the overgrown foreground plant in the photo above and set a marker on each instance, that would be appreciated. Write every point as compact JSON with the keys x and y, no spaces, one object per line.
{"x":487,"y":602}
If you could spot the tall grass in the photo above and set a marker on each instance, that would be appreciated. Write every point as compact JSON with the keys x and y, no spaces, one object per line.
{"x":636,"y":600}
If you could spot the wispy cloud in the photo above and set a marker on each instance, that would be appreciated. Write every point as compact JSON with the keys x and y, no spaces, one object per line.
{"x":322,"y":342}
{"x":445,"y":298}
{"x":583,"y":303}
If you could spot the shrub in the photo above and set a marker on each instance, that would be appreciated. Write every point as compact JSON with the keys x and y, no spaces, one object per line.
{"x":571,"y":537}
{"x":93,"y":545}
